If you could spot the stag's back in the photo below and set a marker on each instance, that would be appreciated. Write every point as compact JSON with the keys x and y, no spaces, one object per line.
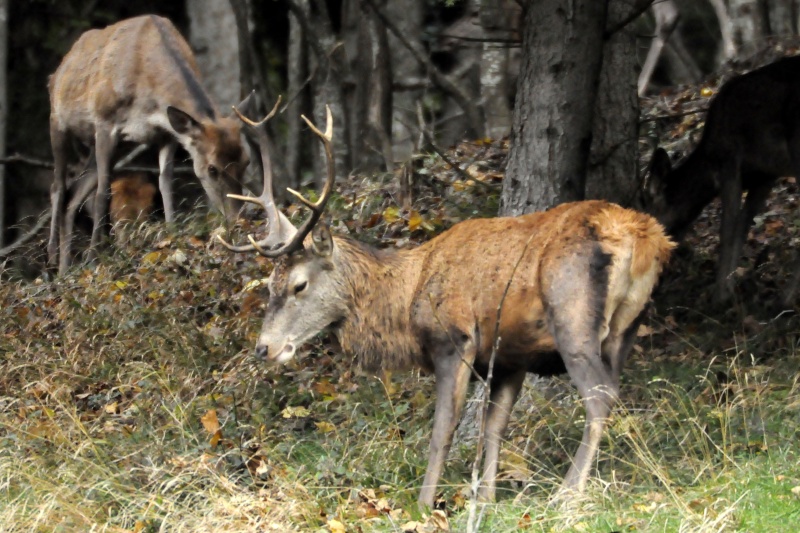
{"x":582,"y":248}
{"x":127,"y":74}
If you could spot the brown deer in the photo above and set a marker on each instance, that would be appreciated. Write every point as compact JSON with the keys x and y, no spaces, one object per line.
{"x":559,"y":290}
{"x":751,"y":138}
{"x":137,"y":81}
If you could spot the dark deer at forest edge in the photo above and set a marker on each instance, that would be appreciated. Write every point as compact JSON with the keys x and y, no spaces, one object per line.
{"x":751,"y":138}
{"x":137,"y":81}
{"x":576,"y":281}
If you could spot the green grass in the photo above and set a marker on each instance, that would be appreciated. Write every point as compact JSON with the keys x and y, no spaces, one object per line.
{"x":109,"y":376}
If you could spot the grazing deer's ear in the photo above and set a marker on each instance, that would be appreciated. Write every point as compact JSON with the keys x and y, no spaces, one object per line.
{"x":321,"y":240}
{"x":181,"y":121}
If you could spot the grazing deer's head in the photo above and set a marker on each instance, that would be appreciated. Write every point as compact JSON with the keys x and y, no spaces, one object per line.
{"x":217,"y":155}
{"x":304,"y":290}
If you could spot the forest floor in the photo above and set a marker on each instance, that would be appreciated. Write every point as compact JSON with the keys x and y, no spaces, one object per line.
{"x":130,"y":400}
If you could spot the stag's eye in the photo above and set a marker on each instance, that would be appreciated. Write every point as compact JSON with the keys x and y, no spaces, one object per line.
{"x":213,"y":171}
{"x":300,"y":287}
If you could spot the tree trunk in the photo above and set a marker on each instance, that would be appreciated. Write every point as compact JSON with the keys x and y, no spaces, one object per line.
{"x":782,"y":17}
{"x":612,"y":173}
{"x":495,"y":17}
{"x":376,"y":143}
{"x":3,"y":111}
{"x":409,"y":15}
{"x":297,"y":104}
{"x":551,"y":132}
{"x":330,"y":76}
{"x":749,"y":23}
{"x":214,"y":38}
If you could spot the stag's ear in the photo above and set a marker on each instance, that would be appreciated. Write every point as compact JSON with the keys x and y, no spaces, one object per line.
{"x":321,"y":240}
{"x":182,"y":122}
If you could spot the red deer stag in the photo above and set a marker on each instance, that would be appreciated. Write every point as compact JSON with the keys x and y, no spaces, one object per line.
{"x":751,"y":137}
{"x":137,"y":81}
{"x":571,"y":284}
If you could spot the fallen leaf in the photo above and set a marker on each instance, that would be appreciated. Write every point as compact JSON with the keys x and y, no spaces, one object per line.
{"x":210,"y":421}
{"x":325,"y":427}
{"x":336,"y":526}
{"x":295,"y":412}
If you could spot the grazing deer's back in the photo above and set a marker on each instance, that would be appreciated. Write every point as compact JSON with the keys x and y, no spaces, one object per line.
{"x":754,"y":115}
{"x":131,"y":70}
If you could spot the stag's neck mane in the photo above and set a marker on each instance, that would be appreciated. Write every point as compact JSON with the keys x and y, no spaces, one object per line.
{"x":379,"y":285}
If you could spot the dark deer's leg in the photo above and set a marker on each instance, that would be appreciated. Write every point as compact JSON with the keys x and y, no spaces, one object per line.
{"x":104,"y":151}
{"x":504,"y":393}
{"x":58,"y":192}
{"x":452,"y":377}
{"x":730,"y":233}
{"x":166,"y":160}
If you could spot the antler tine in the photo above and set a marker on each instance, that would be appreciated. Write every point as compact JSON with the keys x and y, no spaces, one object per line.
{"x":279,"y":228}
{"x":317,"y":207}
{"x":261,"y":122}
{"x":293,"y":239}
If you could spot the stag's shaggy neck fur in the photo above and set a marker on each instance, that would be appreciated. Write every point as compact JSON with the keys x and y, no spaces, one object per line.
{"x":379,"y":287}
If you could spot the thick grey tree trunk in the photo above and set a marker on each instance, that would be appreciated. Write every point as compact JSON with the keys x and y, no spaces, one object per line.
{"x":612,"y":173}
{"x":214,"y":39}
{"x":551,"y":133}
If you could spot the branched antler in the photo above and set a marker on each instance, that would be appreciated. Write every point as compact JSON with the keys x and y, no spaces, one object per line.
{"x":282,"y":237}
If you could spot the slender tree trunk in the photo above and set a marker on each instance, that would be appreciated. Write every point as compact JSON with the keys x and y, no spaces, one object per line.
{"x":3,"y":111}
{"x":749,"y":23}
{"x":551,"y":133}
{"x":495,"y":17}
{"x":298,"y":96}
{"x":330,"y":77}
{"x":409,"y":15}
{"x":612,"y":173}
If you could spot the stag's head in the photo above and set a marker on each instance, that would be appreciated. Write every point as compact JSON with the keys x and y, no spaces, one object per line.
{"x":304,"y":292}
{"x":218,"y":157}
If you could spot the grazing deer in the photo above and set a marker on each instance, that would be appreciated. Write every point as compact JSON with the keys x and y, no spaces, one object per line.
{"x":137,"y":81}
{"x":751,"y":138}
{"x":561,"y":289}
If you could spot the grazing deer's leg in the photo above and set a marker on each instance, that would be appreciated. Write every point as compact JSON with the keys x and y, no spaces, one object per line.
{"x":58,"y":192}
{"x":730,"y":232}
{"x":452,"y":370}
{"x":504,"y":393}
{"x":104,"y":151}
{"x":166,"y":160}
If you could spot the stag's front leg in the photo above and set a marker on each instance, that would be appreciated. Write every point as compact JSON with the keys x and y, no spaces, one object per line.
{"x":504,"y":393}
{"x":452,"y":367}
{"x":104,"y":151}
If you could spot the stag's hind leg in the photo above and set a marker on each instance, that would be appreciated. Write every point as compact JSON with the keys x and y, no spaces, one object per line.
{"x":577,"y":290}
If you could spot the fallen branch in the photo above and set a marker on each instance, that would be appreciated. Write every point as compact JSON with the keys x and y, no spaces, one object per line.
{"x":30,"y":234}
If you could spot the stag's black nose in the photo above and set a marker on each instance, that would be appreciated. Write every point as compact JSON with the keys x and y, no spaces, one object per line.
{"x":261,"y":351}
